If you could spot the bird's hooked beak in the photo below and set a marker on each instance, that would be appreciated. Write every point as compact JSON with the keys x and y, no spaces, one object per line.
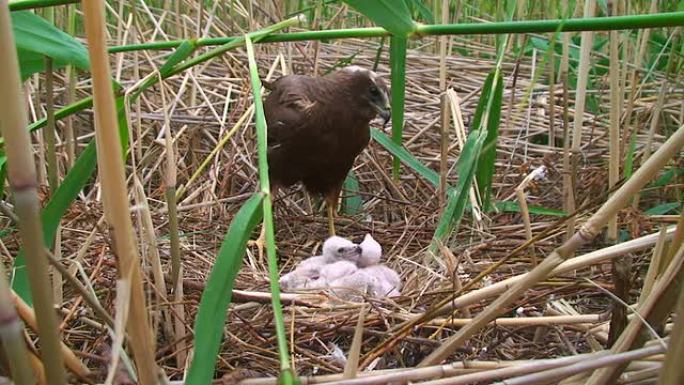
{"x":384,"y":110}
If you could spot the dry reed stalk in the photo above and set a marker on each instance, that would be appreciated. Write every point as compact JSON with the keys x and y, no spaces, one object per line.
{"x":170,"y":178}
{"x":586,"y":233}
{"x":654,"y":267}
{"x":633,"y":83}
{"x":21,"y":174}
{"x":72,"y":78}
{"x":52,"y":169}
{"x":444,"y":148}
{"x":123,"y":302}
{"x":115,"y":197}
{"x":553,"y":375}
{"x":12,"y":336}
{"x":443,"y":44}
{"x":352,"y":366}
{"x":525,"y":321}
{"x":522,"y":200}
{"x":615,"y":113}
{"x":152,"y":253}
{"x":578,"y":120}
{"x":673,"y":370}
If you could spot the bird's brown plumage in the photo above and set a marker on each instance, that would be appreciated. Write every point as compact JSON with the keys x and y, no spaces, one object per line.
{"x":317,"y":126}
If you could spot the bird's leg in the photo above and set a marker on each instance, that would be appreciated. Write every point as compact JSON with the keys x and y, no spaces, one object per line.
{"x":331,"y":205}
{"x":260,"y":242}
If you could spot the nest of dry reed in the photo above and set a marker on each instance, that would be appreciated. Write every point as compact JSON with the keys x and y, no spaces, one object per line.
{"x":400,"y":214}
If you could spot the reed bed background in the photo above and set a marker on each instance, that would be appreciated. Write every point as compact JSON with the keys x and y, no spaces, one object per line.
{"x":508,"y":146}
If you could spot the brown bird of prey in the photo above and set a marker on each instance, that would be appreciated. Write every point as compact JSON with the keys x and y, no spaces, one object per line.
{"x":317,"y":126}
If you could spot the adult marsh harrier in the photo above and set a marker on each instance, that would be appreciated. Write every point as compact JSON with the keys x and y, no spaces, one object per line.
{"x":317,"y":126}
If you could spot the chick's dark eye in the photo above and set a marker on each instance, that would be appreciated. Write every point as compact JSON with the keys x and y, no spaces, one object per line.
{"x":374,"y":90}
{"x":340,"y":250}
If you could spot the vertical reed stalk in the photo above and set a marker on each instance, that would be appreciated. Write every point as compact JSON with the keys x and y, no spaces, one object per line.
{"x":286,"y":375}
{"x":614,"y":133}
{"x":633,"y":80}
{"x":444,"y":148}
{"x":170,"y":181}
{"x":580,"y":104}
{"x":52,"y":169}
{"x":673,"y":370}
{"x":69,"y":137}
{"x":12,"y":336}
{"x":115,"y":198}
{"x":398,"y":86}
{"x":568,"y":202}
{"x":21,"y":173}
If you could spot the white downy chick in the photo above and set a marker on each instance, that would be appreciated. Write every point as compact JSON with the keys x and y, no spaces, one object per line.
{"x":385,"y":282}
{"x":334,"y":249}
{"x":333,"y":271}
{"x":371,"y":251}
{"x":378,"y":281}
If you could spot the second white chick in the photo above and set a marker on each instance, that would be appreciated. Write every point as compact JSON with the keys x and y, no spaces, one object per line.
{"x":378,"y":281}
{"x":332,"y":272}
{"x":335,"y":249}
{"x":371,"y":252}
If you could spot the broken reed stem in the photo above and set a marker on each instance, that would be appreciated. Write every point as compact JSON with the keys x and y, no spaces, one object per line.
{"x":12,"y":335}
{"x":21,"y":174}
{"x":585,"y":234}
{"x":115,"y":198}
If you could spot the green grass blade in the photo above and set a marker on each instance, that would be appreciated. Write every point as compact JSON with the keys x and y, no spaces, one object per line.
{"x":211,"y":316}
{"x":664,"y":208}
{"x":418,"y":8}
{"x":392,"y":15}
{"x":486,"y":164}
{"x":458,"y":196}
{"x":629,"y":160}
{"x":36,"y":38}
{"x":260,"y":123}
{"x":508,"y":206}
{"x":352,"y":202}
{"x":405,"y":156}
{"x":398,"y":86}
